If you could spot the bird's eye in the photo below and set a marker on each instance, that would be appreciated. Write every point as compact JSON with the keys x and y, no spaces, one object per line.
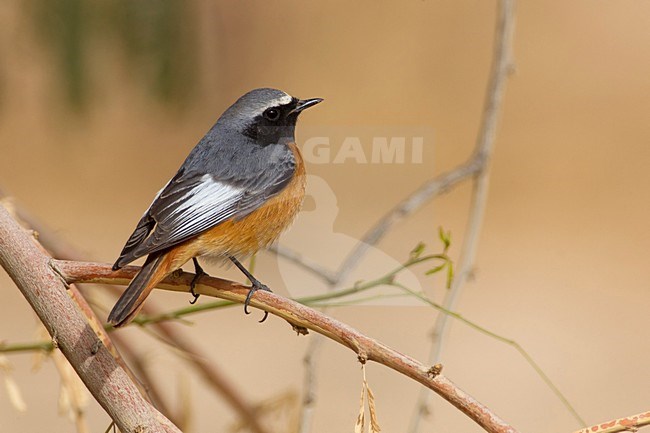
{"x":272,"y":114}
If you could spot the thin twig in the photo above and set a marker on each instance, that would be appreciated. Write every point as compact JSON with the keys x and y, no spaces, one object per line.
{"x":45,"y":346}
{"x":366,"y":348}
{"x":44,"y":289}
{"x":306,"y":263}
{"x":627,"y":424}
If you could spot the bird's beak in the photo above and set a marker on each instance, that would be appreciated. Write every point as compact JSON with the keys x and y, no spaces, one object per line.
{"x":306,"y":103}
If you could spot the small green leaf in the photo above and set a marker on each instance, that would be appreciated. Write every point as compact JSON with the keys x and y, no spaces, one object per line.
{"x":445,"y":237}
{"x":418,"y":250}
{"x":436,"y":269}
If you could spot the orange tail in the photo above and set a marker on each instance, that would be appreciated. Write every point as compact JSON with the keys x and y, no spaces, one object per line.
{"x":155,"y":268}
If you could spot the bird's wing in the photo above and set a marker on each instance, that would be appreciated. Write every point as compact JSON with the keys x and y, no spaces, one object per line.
{"x":192,"y":204}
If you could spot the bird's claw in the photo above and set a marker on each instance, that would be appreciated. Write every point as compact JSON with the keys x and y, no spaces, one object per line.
{"x":254,"y":288}
{"x":193,"y":293}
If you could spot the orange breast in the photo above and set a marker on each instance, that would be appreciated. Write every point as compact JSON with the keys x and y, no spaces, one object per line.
{"x":257,"y":230}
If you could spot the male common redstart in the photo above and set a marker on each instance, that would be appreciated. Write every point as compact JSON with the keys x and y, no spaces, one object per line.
{"x":238,"y":189}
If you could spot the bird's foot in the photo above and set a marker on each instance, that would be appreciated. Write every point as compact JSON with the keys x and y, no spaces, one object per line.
{"x":255,"y":286}
{"x":198,"y":273}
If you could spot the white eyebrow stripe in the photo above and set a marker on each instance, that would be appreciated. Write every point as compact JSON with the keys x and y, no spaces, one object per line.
{"x":284,"y":100}
{"x":277,"y":102}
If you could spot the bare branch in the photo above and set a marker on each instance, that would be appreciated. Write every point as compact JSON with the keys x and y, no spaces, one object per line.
{"x":34,"y":274}
{"x":627,"y":424}
{"x":208,"y":370}
{"x":501,"y":66}
{"x":43,"y":234}
{"x":366,"y":348}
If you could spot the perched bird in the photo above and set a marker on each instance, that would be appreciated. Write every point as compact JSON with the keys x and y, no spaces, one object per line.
{"x":238,"y":189}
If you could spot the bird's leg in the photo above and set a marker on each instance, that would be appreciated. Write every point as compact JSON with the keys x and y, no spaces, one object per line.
{"x":198,"y":273}
{"x":255,"y":286}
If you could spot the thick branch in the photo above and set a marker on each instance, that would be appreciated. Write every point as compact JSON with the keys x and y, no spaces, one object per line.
{"x":365,"y":347}
{"x":213,"y":376}
{"x":36,"y":277}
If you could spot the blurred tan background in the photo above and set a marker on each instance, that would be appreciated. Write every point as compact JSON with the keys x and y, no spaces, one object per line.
{"x":98,"y":110}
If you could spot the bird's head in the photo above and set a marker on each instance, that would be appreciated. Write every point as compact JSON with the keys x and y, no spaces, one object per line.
{"x":267,"y":116}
